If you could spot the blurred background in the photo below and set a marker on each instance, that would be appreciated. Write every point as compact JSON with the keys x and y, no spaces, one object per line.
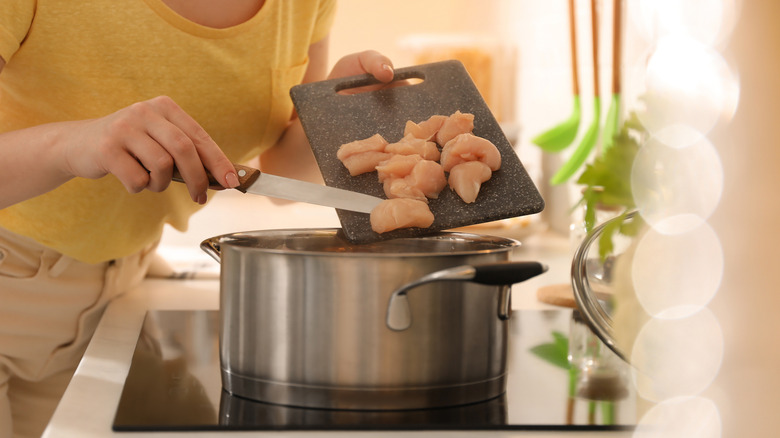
{"x":703,"y":72}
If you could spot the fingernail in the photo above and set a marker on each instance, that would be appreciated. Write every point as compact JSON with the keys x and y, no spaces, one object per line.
{"x":232,"y":180}
{"x":387,"y":67}
{"x":202,"y":198}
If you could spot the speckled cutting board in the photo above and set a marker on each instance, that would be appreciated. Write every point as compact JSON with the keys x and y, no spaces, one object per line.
{"x":331,"y":119}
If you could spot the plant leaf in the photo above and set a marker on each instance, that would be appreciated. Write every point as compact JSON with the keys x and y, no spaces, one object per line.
{"x":561,"y":340}
{"x":556,"y":352}
{"x":632,"y":227}
{"x":606,"y":244}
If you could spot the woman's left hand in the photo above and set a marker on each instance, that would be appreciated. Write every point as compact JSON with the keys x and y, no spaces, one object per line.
{"x":369,"y":61}
{"x":292,"y":156}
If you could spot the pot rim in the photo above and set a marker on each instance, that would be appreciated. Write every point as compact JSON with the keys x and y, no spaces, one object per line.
{"x":502,"y":244}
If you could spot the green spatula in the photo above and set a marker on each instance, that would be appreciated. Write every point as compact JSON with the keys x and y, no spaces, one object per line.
{"x":562,"y":135}
{"x":591,"y":136}
{"x":613,"y":114}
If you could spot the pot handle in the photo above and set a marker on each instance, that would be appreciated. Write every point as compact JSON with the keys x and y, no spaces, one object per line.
{"x":212,"y":248}
{"x":399,"y":315}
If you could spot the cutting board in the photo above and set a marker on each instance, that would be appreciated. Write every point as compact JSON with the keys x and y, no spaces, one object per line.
{"x":331,"y":118}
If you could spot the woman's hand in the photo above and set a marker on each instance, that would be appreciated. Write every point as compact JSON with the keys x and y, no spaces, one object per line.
{"x":369,"y":61}
{"x":141,"y":144}
{"x":292,"y":156}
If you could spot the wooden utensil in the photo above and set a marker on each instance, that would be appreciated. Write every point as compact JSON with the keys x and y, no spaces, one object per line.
{"x":559,"y":137}
{"x":591,"y":136}
{"x":613,"y":114}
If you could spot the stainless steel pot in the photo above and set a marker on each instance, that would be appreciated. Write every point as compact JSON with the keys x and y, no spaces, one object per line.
{"x":306,"y":320}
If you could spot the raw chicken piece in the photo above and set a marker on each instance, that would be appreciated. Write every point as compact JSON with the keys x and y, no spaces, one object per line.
{"x":410,"y":145}
{"x":456,"y":124}
{"x":426,"y":180}
{"x":397,"y":166}
{"x":375,"y":143}
{"x":469,"y":147}
{"x":402,"y":188}
{"x":400,"y":213}
{"x":364,"y":162}
{"x":426,"y":129}
{"x":467,"y":178}
{"x":362,"y":156}
{"x":428,"y":177}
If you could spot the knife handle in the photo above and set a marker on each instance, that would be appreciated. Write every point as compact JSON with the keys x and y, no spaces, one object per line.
{"x":246,"y":176}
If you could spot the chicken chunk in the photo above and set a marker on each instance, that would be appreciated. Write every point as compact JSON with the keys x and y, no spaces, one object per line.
{"x":410,"y":145}
{"x":398,"y":213}
{"x":468,"y":147}
{"x":467,"y":178}
{"x":375,"y":143}
{"x":456,"y":124}
{"x":425,"y":180}
{"x":403,"y":188}
{"x":426,"y":129}
{"x":364,"y":162}
{"x":362,"y":156}
{"x":428,"y":177}
{"x":397,"y":166}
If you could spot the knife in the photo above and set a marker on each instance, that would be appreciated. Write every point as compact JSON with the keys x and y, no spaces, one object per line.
{"x":256,"y":182}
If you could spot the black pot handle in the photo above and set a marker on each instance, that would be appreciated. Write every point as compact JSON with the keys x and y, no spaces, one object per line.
{"x":506,"y":273}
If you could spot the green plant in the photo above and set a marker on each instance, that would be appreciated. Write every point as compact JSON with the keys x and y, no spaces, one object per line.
{"x":607,"y":184}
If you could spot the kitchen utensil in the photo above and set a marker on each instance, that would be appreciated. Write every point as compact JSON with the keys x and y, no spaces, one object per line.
{"x":253,"y":181}
{"x":331,"y":119}
{"x":303,"y":320}
{"x":590,"y":138}
{"x":562,"y":135}
{"x":613,"y":114}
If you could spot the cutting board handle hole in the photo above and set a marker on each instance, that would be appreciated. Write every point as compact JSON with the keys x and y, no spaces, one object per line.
{"x":370,"y":84}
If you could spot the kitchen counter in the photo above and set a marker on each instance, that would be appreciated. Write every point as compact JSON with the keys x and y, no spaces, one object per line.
{"x":90,"y":402}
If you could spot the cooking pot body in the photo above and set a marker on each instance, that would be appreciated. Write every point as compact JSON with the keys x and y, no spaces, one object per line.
{"x":303,"y":322}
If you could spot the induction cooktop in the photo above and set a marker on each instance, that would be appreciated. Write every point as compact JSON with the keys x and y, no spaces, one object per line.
{"x":174,"y":385}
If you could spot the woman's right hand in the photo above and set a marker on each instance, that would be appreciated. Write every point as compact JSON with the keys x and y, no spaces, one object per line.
{"x":141,"y":144}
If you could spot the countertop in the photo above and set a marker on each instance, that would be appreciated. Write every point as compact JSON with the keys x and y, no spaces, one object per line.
{"x":88,"y":407}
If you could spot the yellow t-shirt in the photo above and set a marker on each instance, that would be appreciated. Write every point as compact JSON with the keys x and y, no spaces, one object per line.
{"x":72,"y":60}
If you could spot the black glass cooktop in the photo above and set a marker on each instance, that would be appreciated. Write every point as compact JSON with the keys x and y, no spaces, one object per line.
{"x":174,"y":385}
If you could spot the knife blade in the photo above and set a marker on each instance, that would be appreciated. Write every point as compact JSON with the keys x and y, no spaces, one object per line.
{"x":259,"y":183}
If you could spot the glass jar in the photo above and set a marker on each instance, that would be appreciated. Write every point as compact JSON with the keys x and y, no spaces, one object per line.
{"x":598,"y":377}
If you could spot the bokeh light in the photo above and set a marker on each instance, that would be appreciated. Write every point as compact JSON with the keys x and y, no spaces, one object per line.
{"x":676,"y":275}
{"x":677,"y":357}
{"x":708,"y":21}
{"x":684,"y":82}
{"x":681,"y":88}
{"x":677,"y":183}
{"x":681,"y":417}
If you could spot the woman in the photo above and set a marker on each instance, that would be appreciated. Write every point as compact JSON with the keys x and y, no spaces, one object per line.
{"x":98,"y":103}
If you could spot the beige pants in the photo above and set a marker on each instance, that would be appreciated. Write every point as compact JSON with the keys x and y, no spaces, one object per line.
{"x":50,"y":305}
